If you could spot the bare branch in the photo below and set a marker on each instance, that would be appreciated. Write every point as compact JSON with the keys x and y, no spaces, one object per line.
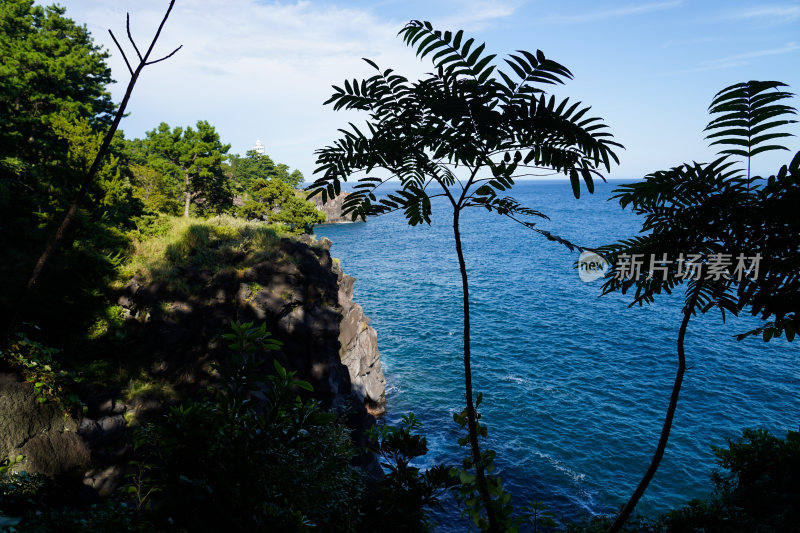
{"x":165,"y":57}
{"x":130,"y":38}
{"x":158,"y":32}
{"x":121,"y":51}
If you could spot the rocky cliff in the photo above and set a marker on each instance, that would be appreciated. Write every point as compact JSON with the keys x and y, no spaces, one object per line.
{"x":358,"y":343}
{"x":332,"y":209}
{"x":305,"y":300}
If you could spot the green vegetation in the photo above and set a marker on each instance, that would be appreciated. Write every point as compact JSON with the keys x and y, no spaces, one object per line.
{"x":63,"y":166}
{"x":39,"y":365}
{"x":276,"y":201}
{"x":463,"y":133}
{"x":759,"y":491}
{"x":246,"y":447}
{"x":227,"y":461}
{"x":222,"y":463}
{"x":404,"y":497}
{"x":254,"y":166}
{"x":42,"y":83}
{"x":54,"y":109}
{"x":213,"y":244}
{"x":195,"y":157}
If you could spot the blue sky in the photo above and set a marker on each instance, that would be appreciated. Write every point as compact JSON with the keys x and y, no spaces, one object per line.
{"x":261,"y":69}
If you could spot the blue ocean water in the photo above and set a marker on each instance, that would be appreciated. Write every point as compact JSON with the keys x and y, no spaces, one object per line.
{"x":575,"y":385}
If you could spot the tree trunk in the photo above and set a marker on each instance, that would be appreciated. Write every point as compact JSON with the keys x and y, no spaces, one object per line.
{"x":483,"y":486}
{"x":188,"y":196}
{"x":626,"y":511}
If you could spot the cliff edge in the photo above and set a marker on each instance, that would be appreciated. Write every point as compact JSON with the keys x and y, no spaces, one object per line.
{"x":332,"y":209}
{"x":172,"y":330}
{"x":358,"y":349}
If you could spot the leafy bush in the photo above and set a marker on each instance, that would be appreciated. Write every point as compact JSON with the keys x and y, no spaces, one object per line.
{"x":35,"y":504}
{"x":277,"y":202}
{"x":252,"y":456}
{"x":760,"y":492}
{"x":402,"y":499}
{"x":36,"y":363}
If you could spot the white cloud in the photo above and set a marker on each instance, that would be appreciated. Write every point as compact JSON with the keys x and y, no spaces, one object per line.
{"x":738,"y":60}
{"x":778,"y":12}
{"x":475,"y":15}
{"x":790,"y":47}
{"x":625,"y":11}
{"x":255,"y":69}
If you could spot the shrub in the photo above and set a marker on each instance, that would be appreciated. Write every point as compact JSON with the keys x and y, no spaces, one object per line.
{"x":251,"y":456}
{"x":402,"y":500}
{"x":759,"y":492}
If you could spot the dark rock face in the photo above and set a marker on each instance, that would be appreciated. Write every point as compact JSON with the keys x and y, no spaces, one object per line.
{"x":306,"y":302}
{"x":38,"y":431}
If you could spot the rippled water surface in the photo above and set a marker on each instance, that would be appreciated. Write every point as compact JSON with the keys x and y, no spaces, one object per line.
{"x":575,"y":386}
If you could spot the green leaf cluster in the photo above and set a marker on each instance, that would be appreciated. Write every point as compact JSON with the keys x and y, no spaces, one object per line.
{"x":277,"y":202}
{"x":403,"y":498}
{"x":38,"y":364}
{"x":750,"y":112}
{"x":252,"y":455}
{"x":719,"y":208}
{"x":245,"y":170}
{"x":757,"y":490}
{"x":194,"y":158}
{"x":54,"y":109}
{"x":49,"y":67}
{"x":468,"y":490}
{"x":461,"y":116}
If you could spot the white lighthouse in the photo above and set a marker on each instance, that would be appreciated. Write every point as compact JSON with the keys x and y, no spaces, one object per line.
{"x":258,"y":147}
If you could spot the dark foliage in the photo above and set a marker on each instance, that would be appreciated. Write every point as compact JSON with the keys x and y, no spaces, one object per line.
{"x":759,"y":492}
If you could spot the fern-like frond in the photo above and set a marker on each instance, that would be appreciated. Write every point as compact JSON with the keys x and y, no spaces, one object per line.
{"x":530,"y":69}
{"x":454,"y":55}
{"x":749,"y":114}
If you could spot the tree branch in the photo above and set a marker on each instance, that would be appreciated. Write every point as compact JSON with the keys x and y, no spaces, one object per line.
{"x":130,"y":38}
{"x":165,"y":57}
{"x":121,"y":51}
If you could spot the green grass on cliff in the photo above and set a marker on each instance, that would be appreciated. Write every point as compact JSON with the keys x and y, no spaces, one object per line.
{"x":208,"y":245}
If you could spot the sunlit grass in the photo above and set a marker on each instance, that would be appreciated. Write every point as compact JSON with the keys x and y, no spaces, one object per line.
{"x":205,"y":244}
{"x":146,"y":387}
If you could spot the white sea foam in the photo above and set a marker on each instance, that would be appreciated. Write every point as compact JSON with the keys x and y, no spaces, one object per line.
{"x":576,"y":477}
{"x":514,"y":379}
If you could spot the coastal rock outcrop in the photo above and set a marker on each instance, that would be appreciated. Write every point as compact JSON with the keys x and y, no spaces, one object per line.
{"x":305,"y":300}
{"x":332,"y":209}
{"x":173,"y":331}
{"x":358,"y":350}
